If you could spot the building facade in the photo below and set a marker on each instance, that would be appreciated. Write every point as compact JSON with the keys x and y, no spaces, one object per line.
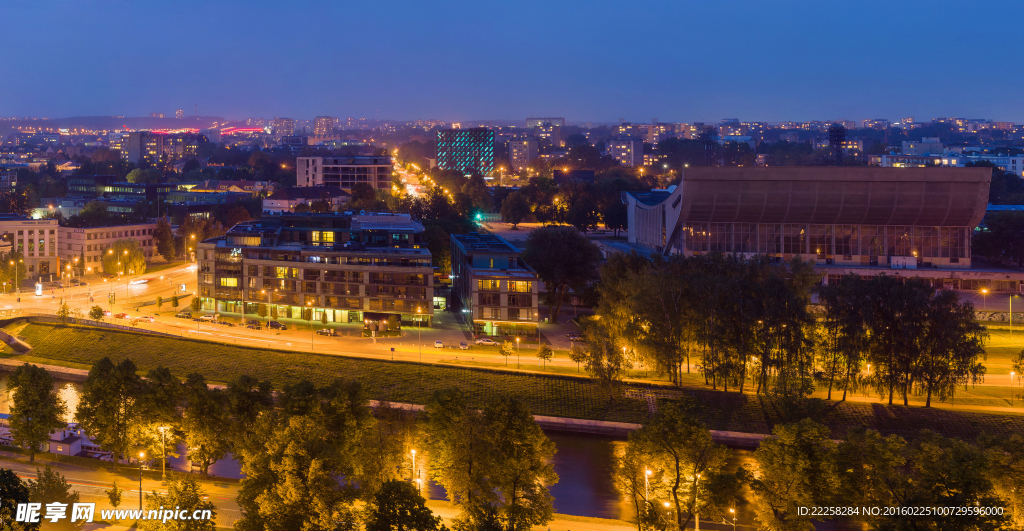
{"x":351,"y":268}
{"x":36,"y":241}
{"x":150,"y":147}
{"x":864,"y":217}
{"x":282,"y":127}
{"x":496,"y":290}
{"x":83,"y":248}
{"x":8,"y":179}
{"x":324,"y":125}
{"x":286,"y":199}
{"x":466,"y":150}
{"x":629,"y":152}
{"x":344,"y":172}
{"x":521,"y":153}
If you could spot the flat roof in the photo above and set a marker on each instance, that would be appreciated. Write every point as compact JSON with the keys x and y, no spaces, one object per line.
{"x":475,"y":241}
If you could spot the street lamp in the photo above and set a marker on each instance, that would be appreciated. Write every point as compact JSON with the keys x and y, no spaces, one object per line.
{"x":984,"y":297}
{"x":1011,"y":387}
{"x":141,"y":455}
{"x":517,"y":352}
{"x":419,"y":331}
{"x":733,"y":513}
{"x":163,"y":452}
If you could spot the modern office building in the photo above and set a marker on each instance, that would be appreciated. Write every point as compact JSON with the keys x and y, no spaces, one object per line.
{"x":521,"y":153}
{"x":324,"y":125}
{"x":150,"y":147}
{"x":36,"y":240}
{"x":864,"y":220}
{"x":344,"y":172}
{"x":628,"y":152}
{"x":350,"y":267}
{"x":495,"y":289}
{"x":466,"y":150}
{"x":8,"y":179}
{"x":83,"y":249}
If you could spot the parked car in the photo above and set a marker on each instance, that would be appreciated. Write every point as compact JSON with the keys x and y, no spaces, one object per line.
{"x":438,"y":344}
{"x":463,"y":345}
{"x":485,"y":341}
{"x":57,"y":285}
{"x":225,"y":323}
{"x":76,"y":282}
{"x":208,"y":318}
{"x":146,"y":318}
{"x":184,"y":315}
{"x":256,"y":326}
{"x":252,"y":322}
{"x":326,"y":332}
{"x":274,"y":325}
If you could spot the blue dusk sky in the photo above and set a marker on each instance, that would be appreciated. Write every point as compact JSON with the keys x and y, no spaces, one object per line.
{"x":595,"y":61}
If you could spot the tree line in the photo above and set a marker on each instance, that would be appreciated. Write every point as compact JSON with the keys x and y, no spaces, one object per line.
{"x":674,"y":474}
{"x":736,"y":319}
{"x":311,"y":455}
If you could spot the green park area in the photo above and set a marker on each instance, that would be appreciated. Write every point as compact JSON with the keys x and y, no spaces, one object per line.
{"x":545,"y":394}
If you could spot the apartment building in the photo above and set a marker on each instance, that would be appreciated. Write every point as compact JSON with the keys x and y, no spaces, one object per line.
{"x":344,"y":172}
{"x":83,"y":248}
{"x":521,"y":153}
{"x":629,"y":152}
{"x":35,"y":240}
{"x":496,"y":290}
{"x":351,"y":268}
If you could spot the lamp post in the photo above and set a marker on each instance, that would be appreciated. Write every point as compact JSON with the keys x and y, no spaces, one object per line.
{"x":1011,"y":387}
{"x":517,"y":352}
{"x":311,"y":332}
{"x":419,"y":332}
{"x":141,"y":455}
{"x":984,"y":298}
{"x":696,"y":515}
{"x":163,"y":452}
{"x":1010,"y":299}
{"x":733,"y":513}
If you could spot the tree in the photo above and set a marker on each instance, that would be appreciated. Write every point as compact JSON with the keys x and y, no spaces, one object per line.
{"x":51,"y":487}
{"x":796,"y":469}
{"x":114,"y":494}
{"x":455,"y":443}
{"x":108,"y":410}
{"x":236,"y":215}
{"x":125,"y":256}
{"x":1001,"y":238}
{"x":605,"y":360}
{"x":12,"y":202}
{"x":394,"y":322}
{"x":163,"y":236}
{"x":36,"y":409}
{"x":247,"y":399}
{"x":616,"y":217}
{"x":174,"y":302}
{"x":262,"y":310}
{"x":953,"y":347}
{"x":13,"y":491}
{"x":196,"y":304}
{"x":546,"y":249}
{"x":578,"y":355}
{"x":205,"y":422}
{"x":544,"y":353}
{"x":686,"y":467}
{"x":514,"y":209}
{"x":63,"y":312}
{"x":398,"y":506}
{"x":159,"y":302}
{"x":273,"y":311}
{"x":151,"y":175}
{"x":507,"y":349}
{"x":160,"y":407}
{"x":187,"y":494}
{"x":96,"y":313}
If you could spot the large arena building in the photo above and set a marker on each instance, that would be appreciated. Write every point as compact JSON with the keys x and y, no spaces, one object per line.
{"x":864,"y":220}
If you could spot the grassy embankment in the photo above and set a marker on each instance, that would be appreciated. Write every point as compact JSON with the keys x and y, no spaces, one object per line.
{"x":545,"y":394}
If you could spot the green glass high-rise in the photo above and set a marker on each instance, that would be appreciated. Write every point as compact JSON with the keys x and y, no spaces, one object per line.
{"x":466,"y":150}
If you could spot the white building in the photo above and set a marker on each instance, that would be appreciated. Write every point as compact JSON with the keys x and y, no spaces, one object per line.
{"x":36,"y":240}
{"x":90,"y":243}
{"x":627,"y":152}
{"x":344,"y":172}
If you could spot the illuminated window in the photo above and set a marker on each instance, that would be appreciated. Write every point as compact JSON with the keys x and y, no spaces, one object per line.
{"x":229,"y":282}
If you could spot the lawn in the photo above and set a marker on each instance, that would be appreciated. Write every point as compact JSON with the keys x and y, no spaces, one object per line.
{"x":411,"y":382}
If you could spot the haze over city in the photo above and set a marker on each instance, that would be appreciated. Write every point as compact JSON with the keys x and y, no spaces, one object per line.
{"x":458,"y":61}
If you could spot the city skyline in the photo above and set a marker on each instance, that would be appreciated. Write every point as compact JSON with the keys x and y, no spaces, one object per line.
{"x":465,"y":62}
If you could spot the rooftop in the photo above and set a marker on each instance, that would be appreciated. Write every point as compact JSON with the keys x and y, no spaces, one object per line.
{"x":474,"y":241}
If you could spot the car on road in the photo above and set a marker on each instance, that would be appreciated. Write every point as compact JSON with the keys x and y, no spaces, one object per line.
{"x":209,"y":318}
{"x":184,"y":315}
{"x":275,"y":325}
{"x":57,"y":285}
{"x":575,"y":336}
{"x":76,"y":282}
{"x":120,"y":316}
{"x":326,"y":332}
{"x":146,"y":318}
{"x":139,"y":281}
{"x":438,"y":344}
{"x":485,"y":341}
{"x":463,"y":345}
